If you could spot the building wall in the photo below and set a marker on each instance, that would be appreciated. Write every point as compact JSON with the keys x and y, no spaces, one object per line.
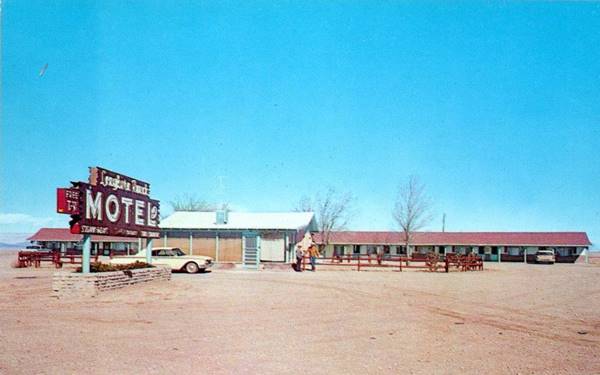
{"x":490,"y":251}
{"x":272,"y":247}
{"x":230,"y":249}
{"x":204,"y":245}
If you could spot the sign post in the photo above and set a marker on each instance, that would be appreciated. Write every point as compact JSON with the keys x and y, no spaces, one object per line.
{"x":87,"y":250}
{"x":149,"y":251}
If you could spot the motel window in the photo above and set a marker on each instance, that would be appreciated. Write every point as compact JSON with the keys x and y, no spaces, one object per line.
{"x":513,"y":251}
{"x":356,"y":249}
{"x":340,"y":250}
{"x":386,"y":249}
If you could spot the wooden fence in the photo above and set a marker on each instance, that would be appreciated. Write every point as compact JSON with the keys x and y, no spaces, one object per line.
{"x":36,"y":258}
{"x":432,"y":262}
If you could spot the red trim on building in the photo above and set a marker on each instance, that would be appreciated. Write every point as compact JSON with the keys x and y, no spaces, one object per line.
{"x":460,"y":238}
{"x":65,"y":235}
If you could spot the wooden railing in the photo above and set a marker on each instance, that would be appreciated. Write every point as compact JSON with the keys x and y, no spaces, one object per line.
{"x":432,"y":262}
{"x":36,"y":258}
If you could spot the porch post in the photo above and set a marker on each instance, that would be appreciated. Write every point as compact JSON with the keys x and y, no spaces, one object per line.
{"x":149,"y":251}
{"x":165,"y":239}
{"x":524,"y":255}
{"x":243,"y":249}
{"x":191,"y":244}
{"x":587,"y":255}
{"x":499,"y":254}
{"x":258,"y":250}
{"x":87,"y":249}
{"x":217,"y":245}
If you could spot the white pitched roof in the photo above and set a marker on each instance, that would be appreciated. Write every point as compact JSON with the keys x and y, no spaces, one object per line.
{"x":238,"y":220}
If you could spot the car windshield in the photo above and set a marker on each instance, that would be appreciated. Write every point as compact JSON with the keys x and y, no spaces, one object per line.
{"x":178,"y":252}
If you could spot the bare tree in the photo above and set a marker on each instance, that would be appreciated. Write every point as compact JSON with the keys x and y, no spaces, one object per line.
{"x":333,"y":211}
{"x":411,"y":209}
{"x":192,"y":203}
{"x":304,"y":205}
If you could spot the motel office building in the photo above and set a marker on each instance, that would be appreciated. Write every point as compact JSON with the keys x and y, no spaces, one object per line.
{"x":235,"y":236}
{"x":491,"y":246}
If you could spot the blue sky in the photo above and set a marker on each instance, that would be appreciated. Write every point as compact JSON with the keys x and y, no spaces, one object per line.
{"x":493,"y":105}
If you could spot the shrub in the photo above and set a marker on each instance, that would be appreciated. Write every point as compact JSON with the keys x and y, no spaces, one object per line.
{"x":104,"y":267}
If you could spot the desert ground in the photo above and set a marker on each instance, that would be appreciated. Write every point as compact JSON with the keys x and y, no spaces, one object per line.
{"x":508,"y":319}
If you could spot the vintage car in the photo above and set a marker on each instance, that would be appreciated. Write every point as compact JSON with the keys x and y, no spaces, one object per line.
{"x":170,"y":256}
{"x":36,"y":248}
{"x":545,"y":256}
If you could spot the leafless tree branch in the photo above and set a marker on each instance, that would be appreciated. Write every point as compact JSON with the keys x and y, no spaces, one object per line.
{"x":192,"y":203}
{"x":411,"y":209}
{"x":333,"y":211}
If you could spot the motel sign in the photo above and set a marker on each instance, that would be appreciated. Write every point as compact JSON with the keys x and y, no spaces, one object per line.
{"x":110,"y":204}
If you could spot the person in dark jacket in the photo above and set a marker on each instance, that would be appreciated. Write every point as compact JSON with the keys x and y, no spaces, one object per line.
{"x":299,"y":256}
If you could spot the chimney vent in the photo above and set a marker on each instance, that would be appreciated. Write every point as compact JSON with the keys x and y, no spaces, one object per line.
{"x":221,"y":216}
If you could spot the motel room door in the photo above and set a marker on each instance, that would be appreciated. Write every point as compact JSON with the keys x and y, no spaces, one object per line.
{"x":251,"y":250}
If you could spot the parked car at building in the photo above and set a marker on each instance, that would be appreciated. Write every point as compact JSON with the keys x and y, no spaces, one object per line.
{"x":35,"y":248}
{"x":170,"y":256}
{"x":545,"y":256}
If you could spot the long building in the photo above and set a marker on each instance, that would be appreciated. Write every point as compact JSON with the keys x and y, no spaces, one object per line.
{"x":492,"y":246}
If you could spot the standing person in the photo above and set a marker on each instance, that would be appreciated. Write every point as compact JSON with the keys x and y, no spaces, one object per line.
{"x":313,"y":252}
{"x":299,"y":256}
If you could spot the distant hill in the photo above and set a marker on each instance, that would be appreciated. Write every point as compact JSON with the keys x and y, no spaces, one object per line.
{"x":12,"y":246}
{"x":14,"y":240}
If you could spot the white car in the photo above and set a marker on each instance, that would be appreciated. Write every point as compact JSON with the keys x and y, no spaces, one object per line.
{"x":545,"y":256}
{"x":171,"y":256}
{"x":36,"y":248}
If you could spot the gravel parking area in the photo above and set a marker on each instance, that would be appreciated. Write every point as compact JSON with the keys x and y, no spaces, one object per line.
{"x":510,"y":318}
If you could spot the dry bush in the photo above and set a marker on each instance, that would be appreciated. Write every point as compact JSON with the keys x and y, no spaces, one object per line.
{"x":103,"y":267}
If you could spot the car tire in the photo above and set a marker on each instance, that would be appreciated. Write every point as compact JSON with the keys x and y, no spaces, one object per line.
{"x":191,"y":267}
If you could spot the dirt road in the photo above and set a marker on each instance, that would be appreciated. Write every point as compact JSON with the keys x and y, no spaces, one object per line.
{"x":511,"y":318}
